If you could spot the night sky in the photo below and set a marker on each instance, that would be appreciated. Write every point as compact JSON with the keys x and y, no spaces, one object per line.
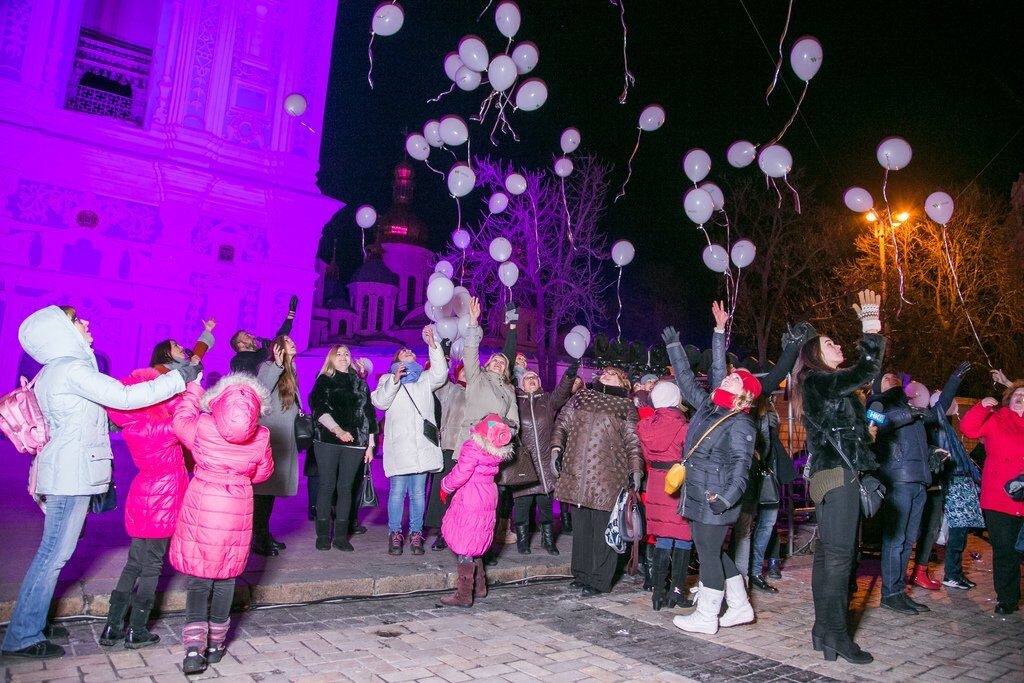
{"x":947,"y":76}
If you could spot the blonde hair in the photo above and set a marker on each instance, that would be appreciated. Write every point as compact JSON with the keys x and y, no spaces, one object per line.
{"x":743,"y":400}
{"x":328,"y":366}
{"x":621,"y":374}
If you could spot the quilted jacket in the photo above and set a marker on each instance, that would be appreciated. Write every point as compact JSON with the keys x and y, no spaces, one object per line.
{"x":537,"y":420}
{"x":661,"y":437}
{"x":1003,"y":432}
{"x":468,"y":525}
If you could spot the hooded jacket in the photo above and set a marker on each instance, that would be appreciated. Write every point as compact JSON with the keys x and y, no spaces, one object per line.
{"x":901,"y":444}
{"x":151,"y":508}
{"x":537,"y":420}
{"x":72,"y":394}
{"x":231,"y":451}
{"x":662,"y":436}
{"x":468,"y":525}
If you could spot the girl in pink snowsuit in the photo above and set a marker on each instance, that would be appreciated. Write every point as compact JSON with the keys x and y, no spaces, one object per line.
{"x":468,"y":525}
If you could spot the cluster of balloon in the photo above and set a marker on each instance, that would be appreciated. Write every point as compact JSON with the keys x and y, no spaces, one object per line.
{"x":366,"y":217}
{"x":500,"y":250}
{"x":451,"y":318}
{"x":651,"y":118}
{"x":577,"y":341}
{"x":628,"y":77}
{"x":387,"y":21}
{"x":569,"y":142}
{"x":805,"y":59}
{"x":295,"y":105}
{"x":698,"y":202}
{"x":776,"y":162}
{"x":622,"y":255}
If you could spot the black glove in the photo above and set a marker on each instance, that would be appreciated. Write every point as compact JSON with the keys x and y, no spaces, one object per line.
{"x":670,"y":336}
{"x":190,"y":372}
{"x":798,"y":333}
{"x":719,"y":505}
{"x":962,"y":369}
{"x":918,"y":414}
{"x":293,"y":304}
{"x":556,"y":462}
{"x":635,"y":478}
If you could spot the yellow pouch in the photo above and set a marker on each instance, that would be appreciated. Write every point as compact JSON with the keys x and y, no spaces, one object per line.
{"x":674,"y":478}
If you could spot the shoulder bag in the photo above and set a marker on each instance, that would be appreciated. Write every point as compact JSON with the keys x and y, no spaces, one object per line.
{"x":770,"y":488}
{"x":303,"y":427}
{"x":676,"y":475}
{"x":429,"y":428}
{"x":872,"y":491}
{"x":519,"y":471}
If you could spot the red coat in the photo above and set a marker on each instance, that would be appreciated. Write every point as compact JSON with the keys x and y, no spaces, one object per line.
{"x":231,"y":452}
{"x":1003,"y":432}
{"x":468,"y":525}
{"x":661,"y":437}
{"x":151,"y":508}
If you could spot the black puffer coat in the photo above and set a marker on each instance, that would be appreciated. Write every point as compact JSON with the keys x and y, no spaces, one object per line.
{"x":831,"y":406}
{"x":721,"y":464}
{"x":346,"y":398}
{"x":536,"y":422}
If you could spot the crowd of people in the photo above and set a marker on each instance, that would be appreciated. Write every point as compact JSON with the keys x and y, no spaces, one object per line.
{"x":467,"y":445}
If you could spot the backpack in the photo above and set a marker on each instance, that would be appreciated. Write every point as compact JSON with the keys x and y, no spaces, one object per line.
{"x":22,"y":421}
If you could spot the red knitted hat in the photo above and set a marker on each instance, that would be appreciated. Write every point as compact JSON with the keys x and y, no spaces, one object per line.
{"x":750,"y":383}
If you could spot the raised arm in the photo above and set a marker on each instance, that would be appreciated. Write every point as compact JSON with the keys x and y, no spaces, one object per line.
{"x":848,"y":380}
{"x":387,"y":389}
{"x":512,"y":336}
{"x":437,"y":375}
{"x":93,"y":385}
{"x":975,"y":424}
{"x":692,"y":393}
{"x":474,"y":335}
{"x":563,"y":392}
{"x":949,"y":391}
{"x":792,"y":341}
{"x":206,"y":340}
{"x":286,"y":326}
{"x":185,"y":422}
{"x":719,"y":366}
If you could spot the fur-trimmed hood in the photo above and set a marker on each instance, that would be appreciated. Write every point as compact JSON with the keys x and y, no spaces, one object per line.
{"x":236,"y":403}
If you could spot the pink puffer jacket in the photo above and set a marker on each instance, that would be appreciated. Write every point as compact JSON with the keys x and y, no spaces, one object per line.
{"x":151,"y":509}
{"x":231,"y":452}
{"x":468,"y":525}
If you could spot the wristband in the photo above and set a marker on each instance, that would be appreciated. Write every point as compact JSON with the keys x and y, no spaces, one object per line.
{"x":869,"y":311}
{"x":871,"y":325}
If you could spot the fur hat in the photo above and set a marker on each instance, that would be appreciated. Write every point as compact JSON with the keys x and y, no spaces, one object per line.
{"x":666,"y":394}
{"x":493,"y":430}
{"x":750,"y":383}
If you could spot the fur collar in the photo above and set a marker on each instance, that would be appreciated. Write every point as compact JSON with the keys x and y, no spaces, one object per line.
{"x":237,"y":378}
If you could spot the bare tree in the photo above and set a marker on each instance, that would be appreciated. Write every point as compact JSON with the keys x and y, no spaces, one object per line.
{"x":559,"y":254}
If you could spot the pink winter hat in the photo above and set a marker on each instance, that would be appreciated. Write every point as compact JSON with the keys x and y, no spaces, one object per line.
{"x":493,"y":430}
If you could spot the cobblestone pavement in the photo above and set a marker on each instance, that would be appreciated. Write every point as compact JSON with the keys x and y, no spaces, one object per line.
{"x":547,"y":632}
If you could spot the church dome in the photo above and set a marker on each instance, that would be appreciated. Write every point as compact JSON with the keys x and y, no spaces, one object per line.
{"x":400,"y":223}
{"x":374,"y":270}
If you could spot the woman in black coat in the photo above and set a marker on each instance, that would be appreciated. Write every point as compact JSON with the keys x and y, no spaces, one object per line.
{"x":826,"y":398}
{"x":721,"y":439}
{"x":345,"y":426}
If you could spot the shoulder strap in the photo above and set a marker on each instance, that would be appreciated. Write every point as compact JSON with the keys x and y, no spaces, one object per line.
{"x":710,"y":429}
{"x":416,"y":407}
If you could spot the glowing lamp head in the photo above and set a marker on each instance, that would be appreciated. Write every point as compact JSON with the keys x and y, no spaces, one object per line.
{"x":871,"y":216}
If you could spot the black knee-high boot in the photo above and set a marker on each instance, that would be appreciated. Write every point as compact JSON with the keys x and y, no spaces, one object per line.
{"x":677,"y":596}
{"x":659,"y":575}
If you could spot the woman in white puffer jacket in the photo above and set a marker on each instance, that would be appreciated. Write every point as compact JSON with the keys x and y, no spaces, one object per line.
{"x":75,"y":464}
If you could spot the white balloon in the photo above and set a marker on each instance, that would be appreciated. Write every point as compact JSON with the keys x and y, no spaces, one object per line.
{"x":526,"y":56}
{"x":460,"y":238}
{"x":451,"y":65}
{"x":698,"y":205}
{"x":574,"y":345}
{"x":366,"y":216}
{"x":388,"y":19}
{"x":461,"y":180}
{"x":775,"y":161}
{"x":743,"y":253}
{"x":697,"y":165}
{"x":467,"y":79}
{"x":858,"y":199}
{"x":498,"y":202}
{"x":532,"y":94}
{"x":507,"y":18}
{"x":500,"y":249}
{"x":464,"y":322}
{"x":445,"y":267}
{"x":570,"y":140}
{"x":805,"y":58}
{"x":448,"y":328}
{"x":563,"y":167}
{"x":623,"y":253}
{"x":502,"y":73}
{"x":435,"y":275}
{"x":433,"y":312}
{"x":583,"y":332}
{"x":717,"y":198}
{"x":508,"y":273}
{"x":458,"y":347}
{"x":367,"y":365}
{"x":741,"y":153}
{"x":894,"y":153}
{"x":417,"y":147}
{"x":716,"y":258}
{"x":473,"y":53}
{"x":453,"y":130}
{"x":432,"y":132}
{"x":652,"y":118}
{"x":295,"y":104}
{"x":460,"y":301}
{"x":939,"y":207}
{"x":439,"y":291}
{"x":515,"y":184}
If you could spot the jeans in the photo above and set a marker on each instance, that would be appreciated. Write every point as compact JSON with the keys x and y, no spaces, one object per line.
{"x":715,"y":565}
{"x":415,"y":485}
{"x":901,"y":523}
{"x":766,"y":518}
{"x":956,"y":544}
{"x":837,"y":515}
{"x":666,"y":543}
{"x":1003,"y":530}
{"x":523,"y":509}
{"x":65,"y":516}
{"x":338,"y":467}
{"x":746,"y":533}
{"x":208,"y":599}
{"x":145,"y":560}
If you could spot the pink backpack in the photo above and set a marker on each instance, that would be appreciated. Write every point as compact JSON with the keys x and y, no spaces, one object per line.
{"x":22,"y":421}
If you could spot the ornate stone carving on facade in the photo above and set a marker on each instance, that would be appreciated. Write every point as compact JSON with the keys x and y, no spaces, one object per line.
{"x":305,"y":143}
{"x":202,"y":65}
{"x":15,"y":17}
{"x":255,"y":71}
{"x":112,"y":61}
{"x":250,"y":241}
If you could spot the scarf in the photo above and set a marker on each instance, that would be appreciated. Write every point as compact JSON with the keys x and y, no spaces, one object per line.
{"x":724,"y":399}
{"x":621,"y":392}
{"x":413,"y":370}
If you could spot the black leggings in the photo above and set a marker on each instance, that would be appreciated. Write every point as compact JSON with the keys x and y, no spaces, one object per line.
{"x":339,"y":468}
{"x":145,"y":560}
{"x":715,"y":565}
{"x":262,"y":507}
{"x":522,"y":509}
{"x":208,"y":599}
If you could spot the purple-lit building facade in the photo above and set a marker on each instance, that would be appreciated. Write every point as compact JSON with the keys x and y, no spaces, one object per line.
{"x":150,"y":174}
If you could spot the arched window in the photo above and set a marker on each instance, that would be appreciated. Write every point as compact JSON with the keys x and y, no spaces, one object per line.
{"x":380,"y":314}
{"x":364,"y":314}
{"x":226,"y":253}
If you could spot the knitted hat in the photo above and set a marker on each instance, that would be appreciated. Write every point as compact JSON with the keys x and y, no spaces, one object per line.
{"x":649,"y":377}
{"x":666,"y":395}
{"x":750,"y":383}
{"x":493,"y":430}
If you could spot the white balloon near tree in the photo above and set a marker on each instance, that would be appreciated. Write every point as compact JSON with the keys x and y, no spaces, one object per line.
{"x":697,"y":165}
{"x":939,"y":207}
{"x":775,"y":161}
{"x":444,"y":267}
{"x":440,"y":291}
{"x":453,"y":130}
{"x":570,"y":140}
{"x":574,"y":345}
{"x":461,"y":238}
{"x":507,"y":18}
{"x":500,"y":249}
{"x":498,"y":202}
{"x":525,"y":55}
{"x":461,"y":180}
{"x":698,"y":205}
{"x":563,"y":167}
{"x":532,"y":94}
{"x":295,"y":104}
{"x":366,"y":216}
{"x":743,"y":252}
{"x":741,"y":154}
{"x":417,"y":147}
{"x":623,"y":253}
{"x":858,"y":199}
{"x":458,"y":348}
{"x":716,"y":258}
{"x":717,"y":197}
{"x":436,"y":274}
{"x":467,"y":79}
{"x":502,"y":73}
{"x":464,"y":323}
{"x":583,"y":332}
{"x":388,"y":19}
{"x":448,"y":328}
{"x":805,"y":58}
{"x":432,"y":133}
{"x":515,"y":183}
{"x":508,"y":273}
{"x":460,"y":301}
{"x":652,"y":118}
{"x":452,"y":64}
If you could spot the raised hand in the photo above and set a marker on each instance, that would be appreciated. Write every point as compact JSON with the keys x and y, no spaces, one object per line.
{"x":474,"y":311}
{"x":999,"y":377}
{"x":670,"y":336}
{"x":279,"y":355}
{"x":868,"y":310}
{"x":399,"y":373}
{"x":962,"y":369}
{"x":721,"y":315}
{"x":293,"y":304}
{"x":990,"y":403}
{"x":210,"y":324}
{"x":428,"y":336}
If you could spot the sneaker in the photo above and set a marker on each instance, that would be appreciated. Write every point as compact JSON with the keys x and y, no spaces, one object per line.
{"x":897,"y":604}
{"x":957,"y":583}
{"x":44,"y":649}
{"x":395,"y":542}
{"x":416,"y":542}
{"x":439,"y":543}
{"x":970,"y":583}
{"x":774,"y":569}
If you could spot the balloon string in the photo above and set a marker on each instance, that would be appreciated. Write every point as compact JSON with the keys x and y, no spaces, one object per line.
{"x":629,"y":166}
{"x":486,"y":7}
{"x":960,"y":294}
{"x":449,"y":91}
{"x":618,"y":295}
{"x":462,"y":268}
{"x":628,"y":77}
{"x":796,"y":195}
{"x":777,"y":190}
{"x":791,"y":118}
{"x":895,"y":242}
{"x":369,"y":52}
{"x":440,"y":173}
{"x":362,"y":234}
{"x":306,"y":126}
{"x":778,"y":64}
{"x":706,"y":235}
{"x":458,"y":207}
{"x":728,"y":230}
{"x":568,"y":217}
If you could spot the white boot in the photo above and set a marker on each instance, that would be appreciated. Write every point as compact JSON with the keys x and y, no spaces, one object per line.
{"x":703,"y":619}
{"x":739,"y":610}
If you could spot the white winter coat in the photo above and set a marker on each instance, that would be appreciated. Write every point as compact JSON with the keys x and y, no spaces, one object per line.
{"x":72,"y":394}
{"x":406,"y":450}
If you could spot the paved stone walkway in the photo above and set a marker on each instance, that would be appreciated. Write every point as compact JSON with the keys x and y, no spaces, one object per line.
{"x":547,"y":632}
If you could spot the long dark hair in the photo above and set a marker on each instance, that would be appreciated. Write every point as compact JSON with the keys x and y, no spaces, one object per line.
{"x":809,"y":360}
{"x":288,"y":385}
{"x":161,"y":354}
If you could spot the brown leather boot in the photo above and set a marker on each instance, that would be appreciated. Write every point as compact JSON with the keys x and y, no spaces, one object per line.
{"x":463,"y":596}
{"x":480,"y":585}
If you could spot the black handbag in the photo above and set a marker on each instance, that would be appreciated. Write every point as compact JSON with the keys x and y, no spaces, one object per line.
{"x":367,"y":494}
{"x":770,"y":489}
{"x":519,"y":471}
{"x":303,"y":427}
{"x":872,"y":491}
{"x":429,"y":428}
{"x":107,"y":501}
